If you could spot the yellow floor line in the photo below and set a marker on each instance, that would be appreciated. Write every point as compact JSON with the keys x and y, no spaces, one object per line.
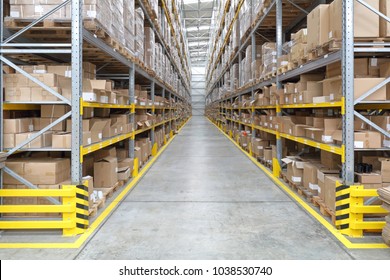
{"x":347,"y":243}
{"x":107,"y":211}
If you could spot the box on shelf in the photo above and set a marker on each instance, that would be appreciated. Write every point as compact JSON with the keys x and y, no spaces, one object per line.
{"x":310,"y":180}
{"x":105,"y":172}
{"x":318,"y":26}
{"x":62,"y":140}
{"x":330,"y":191}
{"x":18,"y":125}
{"x":54,"y":111}
{"x":294,"y":169}
{"x":369,"y":178}
{"x":39,"y":170}
{"x":44,"y":140}
{"x":321,"y":174}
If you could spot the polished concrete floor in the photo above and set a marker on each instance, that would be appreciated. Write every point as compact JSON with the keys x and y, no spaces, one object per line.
{"x":203,"y":199}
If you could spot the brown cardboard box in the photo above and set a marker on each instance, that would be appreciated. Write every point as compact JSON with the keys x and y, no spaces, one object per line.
{"x":366,"y":23}
{"x":361,"y":68}
{"x":44,"y":140}
{"x":105,"y":173}
{"x":317,"y":26}
{"x":9,"y":140}
{"x":258,"y":146}
{"x":54,"y":111}
{"x":385,"y":169}
{"x":123,"y":173}
{"x":18,"y":125}
{"x":88,"y":113}
{"x":138,"y":154}
{"x":106,"y":152}
{"x":86,"y":125}
{"x":384,"y":123}
{"x":62,"y":140}
{"x":321,"y":174}
{"x":384,"y":25}
{"x":330,"y":160}
{"x":367,"y":139}
{"x":330,"y":191}
{"x":314,"y":133}
{"x":45,"y":171}
{"x":87,"y":138}
{"x":294,"y":169}
{"x":97,"y":131}
{"x":268,"y":154}
{"x":41,"y":123}
{"x":310,"y":180}
{"x":127,"y":162}
{"x":102,"y":112}
{"x":369,"y":178}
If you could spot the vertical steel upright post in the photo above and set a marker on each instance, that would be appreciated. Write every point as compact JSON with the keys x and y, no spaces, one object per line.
{"x":347,"y":62}
{"x":132,"y":113}
{"x":1,"y":95}
{"x":152,"y":92}
{"x":253,"y":42}
{"x":279,"y":47}
{"x":77,"y":129}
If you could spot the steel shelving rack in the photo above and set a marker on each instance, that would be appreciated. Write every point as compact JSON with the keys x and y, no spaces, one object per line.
{"x":348,"y":105}
{"x":17,"y":44}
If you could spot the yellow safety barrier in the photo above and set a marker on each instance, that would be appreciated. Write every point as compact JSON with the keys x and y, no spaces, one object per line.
{"x":351,"y":211}
{"x":74,"y":209}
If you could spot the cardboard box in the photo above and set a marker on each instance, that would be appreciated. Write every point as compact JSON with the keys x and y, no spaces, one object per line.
{"x":268,"y":154}
{"x":9,"y":140}
{"x":85,"y":123}
{"x":105,"y":172}
{"x":88,"y":113}
{"x":321,"y":174}
{"x":18,"y":125}
{"x":310,"y":180}
{"x":88,"y":181}
{"x":44,"y":171}
{"x":41,"y":123}
{"x":87,"y":138}
{"x":369,"y":178}
{"x":367,"y":139}
{"x":44,"y":140}
{"x":62,"y":140}
{"x":317,"y":26}
{"x":366,"y":23}
{"x":385,"y":169}
{"x":361,"y":68}
{"x":330,"y":191}
{"x":330,"y":160}
{"x":54,"y":111}
{"x":127,"y":162}
{"x":106,"y":152}
{"x":384,"y":25}
{"x":97,"y":131}
{"x":88,"y":165}
{"x":373,"y":160}
{"x":123,"y":173}
{"x":314,"y":133}
{"x":294,"y":169}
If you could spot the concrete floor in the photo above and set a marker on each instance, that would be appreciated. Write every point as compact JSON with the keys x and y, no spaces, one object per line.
{"x":203,"y":199}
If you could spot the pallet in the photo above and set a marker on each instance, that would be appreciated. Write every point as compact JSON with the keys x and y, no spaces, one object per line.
{"x":96,"y":206}
{"x":283,"y":69}
{"x":19,"y":23}
{"x":301,"y":190}
{"x":270,"y":75}
{"x":264,"y":162}
{"x":318,"y":202}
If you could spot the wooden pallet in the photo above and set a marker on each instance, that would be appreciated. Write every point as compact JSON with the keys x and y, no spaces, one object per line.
{"x":282,"y":69}
{"x":318,"y":202}
{"x":96,"y":206}
{"x":149,"y":10}
{"x":19,"y":23}
{"x":301,"y":190}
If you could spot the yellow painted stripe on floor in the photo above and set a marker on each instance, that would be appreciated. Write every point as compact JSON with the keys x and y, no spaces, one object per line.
{"x":347,"y":243}
{"x":95,"y":225}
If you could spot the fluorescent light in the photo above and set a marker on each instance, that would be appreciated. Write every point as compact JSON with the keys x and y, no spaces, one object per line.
{"x":196,"y":28}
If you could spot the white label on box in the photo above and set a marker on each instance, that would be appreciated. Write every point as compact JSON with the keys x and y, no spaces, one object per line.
{"x":388,"y":127}
{"x":327,"y":139}
{"x":386,"y":143}
{"x":295,"y":100}
{"x":104,"y":99}
{"x":31,"y":127}
{"x":331,"y":96}
{"x":276,"y":126}
{"x":121,"y":128}
{"x":89,"y":96}
{"x":300,"y":98}
{"x":312,"y":135}
{"x":290,"y":131}
{"x":39,"y":71}
{"x":100,"y":136}
{"x":15,"y":14}
{"x":330,"y":34}
{"x":362,"y":126}
{"x":295,"y":90}
{"x":89,"y":141}
{"x":296,"y":179}
{"x":114,"y":100}
{"x":286,"y":99}
{"x":116,"y":169}
{"x":92,"y":14}
{"x":68,"y":73}
{"x":374,"y":62}
{"x":313,"y":187}
{"x":142,"y":103}
{"x":319,"y":189}
{"x":358,"y":144}
{"x":285,"y":90}
{"x":260,"y":147}
{"x":38,"y":9}
{"x":244,"y":145}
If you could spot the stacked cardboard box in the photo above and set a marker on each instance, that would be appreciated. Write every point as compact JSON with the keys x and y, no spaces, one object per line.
{"x":269,"y":58}
{"x":149,"y":48}
{"x":139,"y":34}
{"x":129,"y":21}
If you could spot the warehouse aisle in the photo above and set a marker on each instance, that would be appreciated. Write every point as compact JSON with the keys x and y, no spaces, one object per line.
{"x":203,"y":199}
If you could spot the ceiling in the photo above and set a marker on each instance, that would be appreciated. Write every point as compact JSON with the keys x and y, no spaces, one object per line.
{"x":198,"y":18}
